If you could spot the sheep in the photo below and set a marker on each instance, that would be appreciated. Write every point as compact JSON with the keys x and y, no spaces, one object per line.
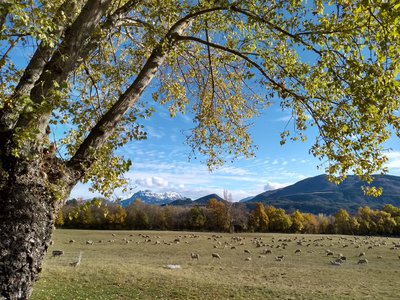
{"x":279,"y":258}
{"x":194,"y":256}
{"x":77,"y":262}
{"x":90,"y":242}
{"x":361,"y":254}
{"x":71,"y":241}
{"x":57,"y":253}
{"x":246,"y":251}
{"x":216,"y":255}
{"x":248,"y":259}
{"x":362,"y":261}
{"x":329,"y":253}
{"x":267,"y":251}
{"x":297,"y":251}
{"x":336,"y":262}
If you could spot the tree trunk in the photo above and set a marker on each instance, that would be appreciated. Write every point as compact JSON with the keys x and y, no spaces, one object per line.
{"x":29,"y":203}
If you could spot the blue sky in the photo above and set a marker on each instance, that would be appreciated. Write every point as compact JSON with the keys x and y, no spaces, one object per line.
{"x":161,"y":163}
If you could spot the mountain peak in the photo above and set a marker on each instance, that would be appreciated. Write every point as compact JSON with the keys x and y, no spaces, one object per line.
{"x":318,"y":195}
{"x":154,"y":198}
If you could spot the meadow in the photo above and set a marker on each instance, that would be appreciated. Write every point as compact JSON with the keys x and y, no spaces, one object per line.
{"x":158,"y":265}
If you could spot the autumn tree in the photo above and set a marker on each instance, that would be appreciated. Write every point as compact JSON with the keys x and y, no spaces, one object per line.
{"x":342,"y":222}
{"x":258,"y":219}
{"x":115,"y":217}
{"x":298,"y":221}
{"x":311,"y":223}
{"x":196,"y":218}
{"x":279,"y":221}
{"x":219,"y":216}
{"x":333,"y":65}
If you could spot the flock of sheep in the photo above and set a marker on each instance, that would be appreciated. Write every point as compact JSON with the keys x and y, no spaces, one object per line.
{"x":266,"y":246}
{"x":283,"y":243}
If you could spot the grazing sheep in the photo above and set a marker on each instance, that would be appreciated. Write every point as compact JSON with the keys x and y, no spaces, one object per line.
{"x":248,"y":259}
{"x":297,"y":251}
{"x":279,"y":258}
{"x":71,"y":241}
{"x":267,"y":251}
{"x":77,"y":262}
{"x":57,"y":253}
{"x":216,"y":255}
{"x":361,"y":254}
{"x":362,"y":261}
{"x":329,"y":253}
{"x":336,"y":262}
{"x":379,"y":257}
{"x":194,"y":256}
{"x":246,"y":251}
{"x":90,"y":242}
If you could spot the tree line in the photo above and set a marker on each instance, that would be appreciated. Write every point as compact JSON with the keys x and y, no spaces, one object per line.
{"x":225,"y":217}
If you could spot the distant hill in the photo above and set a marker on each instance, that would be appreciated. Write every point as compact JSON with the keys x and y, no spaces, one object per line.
{"x":153,"y":198}
{"x":200,"y":201}
{"x":318,"y":195}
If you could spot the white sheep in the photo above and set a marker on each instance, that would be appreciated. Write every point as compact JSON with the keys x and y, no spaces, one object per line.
{"x":77,"y":262}
{"x":216,"y":255}
{"x":337,"y":262}
{"x":362,"y":261}
{"x":194,"y":256}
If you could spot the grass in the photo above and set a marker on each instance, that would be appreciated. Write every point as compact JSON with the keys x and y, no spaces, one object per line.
{"x":137,"y":270}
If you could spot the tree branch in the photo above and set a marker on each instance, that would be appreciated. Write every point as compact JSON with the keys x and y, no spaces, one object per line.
{"x":106,"y":126}
{"x":274,"y":27}
{"x":42,"y":55}
{"x":63,"y":62}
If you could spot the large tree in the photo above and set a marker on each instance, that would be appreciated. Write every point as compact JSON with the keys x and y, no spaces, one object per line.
{"x":333,"y":65}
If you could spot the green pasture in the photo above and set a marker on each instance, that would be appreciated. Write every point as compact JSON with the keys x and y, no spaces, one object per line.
{"x":137,"y":265}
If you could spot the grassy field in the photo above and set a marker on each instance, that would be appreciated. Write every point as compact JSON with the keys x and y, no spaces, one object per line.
{"x":134,"y":265}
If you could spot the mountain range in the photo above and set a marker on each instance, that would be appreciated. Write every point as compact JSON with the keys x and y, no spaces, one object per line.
{"x":311,"y":195}
{"x":318,"y":195}
{"x":153,"y":198}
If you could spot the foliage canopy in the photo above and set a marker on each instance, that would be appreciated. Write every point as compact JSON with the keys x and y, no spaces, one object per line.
{"x":333,"y":64}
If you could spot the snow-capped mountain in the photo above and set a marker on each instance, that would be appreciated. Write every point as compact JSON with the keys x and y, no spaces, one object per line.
{"x":154,"y":198}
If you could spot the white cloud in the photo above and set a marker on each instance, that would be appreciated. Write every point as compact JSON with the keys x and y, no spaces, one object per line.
{"x":152,"y":182}
{"x":394,"y":161}
{"x":274,"y":185}
{"x":233,"y":171}
{"x":154,"y":133}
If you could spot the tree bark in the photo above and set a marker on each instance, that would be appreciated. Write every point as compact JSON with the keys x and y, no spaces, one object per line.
{"x":29,"y":202}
